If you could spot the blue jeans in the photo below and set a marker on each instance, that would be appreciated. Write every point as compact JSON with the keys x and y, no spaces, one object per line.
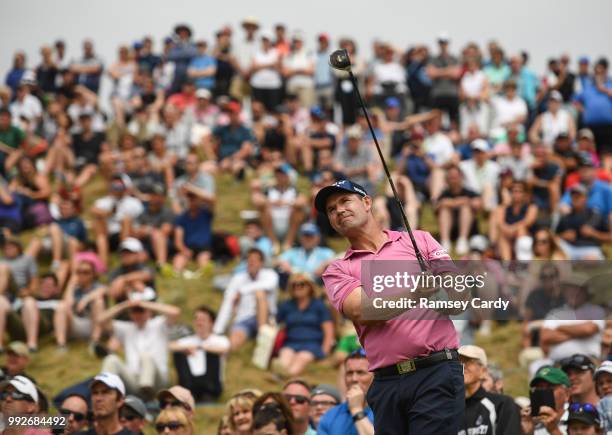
{"x":426,"y":402}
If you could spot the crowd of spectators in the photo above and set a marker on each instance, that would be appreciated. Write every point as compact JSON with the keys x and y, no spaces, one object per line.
{"x":96,"y":205}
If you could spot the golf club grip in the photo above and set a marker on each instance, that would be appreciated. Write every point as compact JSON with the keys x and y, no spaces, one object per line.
{"x":417,"y":251}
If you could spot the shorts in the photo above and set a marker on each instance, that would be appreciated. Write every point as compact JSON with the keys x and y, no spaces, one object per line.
{"x":314,"y":347}
{"x":249,"y":326}
{"x":80,"y":327}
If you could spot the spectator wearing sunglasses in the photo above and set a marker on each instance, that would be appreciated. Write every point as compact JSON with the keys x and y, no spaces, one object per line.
{"x":174,"y":421}
{"x":20,"y":397}
{"x":580,"y":370}
{"x":297,"y":393}
{"x":322,"y":398}
{"x":177,"y":396}
{"x":309,"y":326}
{"x":75,"y":408}
{"x":583,"y":419}
{"x":17,"y":360}
{"x":133,"y":414}
{"x":107,"y":397}
{"x":277,"y":404}
{"x":353,"y":416}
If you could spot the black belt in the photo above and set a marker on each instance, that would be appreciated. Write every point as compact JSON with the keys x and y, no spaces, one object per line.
{"x":412,"y":365}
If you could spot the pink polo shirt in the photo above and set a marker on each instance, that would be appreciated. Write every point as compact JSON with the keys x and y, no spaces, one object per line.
{"x":397,"y":339}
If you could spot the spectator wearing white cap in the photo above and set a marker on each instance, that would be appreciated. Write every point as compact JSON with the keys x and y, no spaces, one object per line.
{"x":298,"y":70}
{"x":20,"y":397}
{"x":553,"y":122}
{"x":132,"y":275}
{"x":111,"y":212}
{"x":485,"y":413}
{"x":482,"y":174}
{"x":107,"y":397}
{"x":144,"y":339}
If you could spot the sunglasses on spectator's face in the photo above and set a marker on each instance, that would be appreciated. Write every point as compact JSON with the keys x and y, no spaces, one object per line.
{"x":78,"y":416}
{"x":299,"y":399}
{"x":172,"y":425}
{"x":15,"y":395}
{"x":129,"y":416}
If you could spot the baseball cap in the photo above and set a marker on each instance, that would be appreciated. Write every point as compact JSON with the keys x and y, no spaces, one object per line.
{"x":203,"y":93}
{"x":584,"y":60}
{"x":480,"y":145}
{"x":179,"y":393}
{"x":317,"y":112}
{"x":577,"y":361}
{"x":605,"y":367}
{"x":18,"y":348}
{"x":584,"y":413}
{"x":266,"y":34}
{"x":474,"y":352}
{"x":297,"y":35}
{"x":284,"y":168}
{"x":233,"y":107}
{"x":479,"y":243}
{"x":111,"y":380}
{"x":131,"y":244}
{"x":392,"y":102}
{"x":250,"y":21}
{"x":136,"y":405}
{"x":323,"y":37}
{"x":585,"y":133}
{"x":579,"y":188}
{"x":22,"y":384}
{"x":309,"y":229}
{"x":326,"y":389}
{"x":147,"y":294}
{"x":575,"y":279}
{"x":552,"y":375}
{"x":339,"y":186}
{"x":354,"y":132}
{"x":556,"y":95}
{"x":443,"y":37}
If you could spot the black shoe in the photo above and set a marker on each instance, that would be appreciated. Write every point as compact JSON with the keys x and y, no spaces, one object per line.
{"x":100,"y":350}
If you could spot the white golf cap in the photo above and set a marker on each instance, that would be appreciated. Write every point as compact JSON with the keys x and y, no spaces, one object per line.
{"x":605,"y":367}
{"x":147,"y":294}
{"x":480,"y":144}
{"x":203,"y":93}
{"x":474,"y":352}
{"x":131,"y":244}
{"x":23,"y":385}
{"x":111,"y":380}
{"x":266,"y":34}
{"x":443,"y":36}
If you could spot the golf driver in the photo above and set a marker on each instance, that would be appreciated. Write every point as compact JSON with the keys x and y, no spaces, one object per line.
{"x":340,"y":60}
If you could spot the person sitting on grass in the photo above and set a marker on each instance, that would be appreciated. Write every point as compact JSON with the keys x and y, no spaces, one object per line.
{"x":193,"y":237}
{"x":144,"y":339}
{"x":132,"y":274}
{"x":308,"y":324}
{"x":251,"y":296}
{"x":77,"y":313}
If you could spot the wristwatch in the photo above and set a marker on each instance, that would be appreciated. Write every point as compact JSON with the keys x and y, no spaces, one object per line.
{"x":359,"y":416}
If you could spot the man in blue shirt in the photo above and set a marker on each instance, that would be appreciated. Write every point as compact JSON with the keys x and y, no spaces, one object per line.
{"x":203,"y":68}
{"x":353,"y":417}
{"x":236,"y":142}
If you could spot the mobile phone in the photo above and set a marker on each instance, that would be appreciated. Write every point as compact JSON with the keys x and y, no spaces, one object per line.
{"x":541,"y":398}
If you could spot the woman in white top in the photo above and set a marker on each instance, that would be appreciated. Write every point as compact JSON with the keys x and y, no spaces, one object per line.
{"x":552,"y":123}
{"x":388,"y":78}
{"x":122,"y":74}
{"x":299,"y":71}
{"x":509,"y":108}
{"x":474,"y":83}
{"x":266,"y":81}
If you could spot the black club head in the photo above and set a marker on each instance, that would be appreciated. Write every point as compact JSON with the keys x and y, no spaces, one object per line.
{"x":339,"y":59}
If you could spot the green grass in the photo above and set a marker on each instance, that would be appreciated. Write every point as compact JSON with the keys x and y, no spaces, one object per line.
{"x":55,"y":372}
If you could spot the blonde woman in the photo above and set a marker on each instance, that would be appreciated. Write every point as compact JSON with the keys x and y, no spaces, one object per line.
{"x":174,"y":421}
{"x":240,"y":413}
{"x":308,"y":323}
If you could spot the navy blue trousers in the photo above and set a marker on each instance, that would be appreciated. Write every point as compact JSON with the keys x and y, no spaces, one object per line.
{"x":428,"y":401}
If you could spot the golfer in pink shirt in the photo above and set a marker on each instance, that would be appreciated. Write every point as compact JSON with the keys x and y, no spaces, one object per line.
{"x":418,"y":380}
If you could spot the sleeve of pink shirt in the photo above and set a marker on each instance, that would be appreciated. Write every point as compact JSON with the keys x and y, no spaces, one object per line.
{"x":339,"y":283}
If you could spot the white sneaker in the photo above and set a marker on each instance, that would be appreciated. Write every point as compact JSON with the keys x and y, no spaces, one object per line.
{"x":447,"y":245}
{"x":462,"y":247}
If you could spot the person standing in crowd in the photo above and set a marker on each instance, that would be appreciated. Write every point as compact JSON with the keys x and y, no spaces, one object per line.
{"x":88,"y":69}
{"x":265,"y":74}
{"x":485,"y":412}
{"x":444,"y":72}
{"x":431,"y":349}
{"x":323,"y":73}
{"x":203,"y":68}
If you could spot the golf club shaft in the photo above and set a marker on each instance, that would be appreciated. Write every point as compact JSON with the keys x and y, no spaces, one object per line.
{"x":417,"y":251}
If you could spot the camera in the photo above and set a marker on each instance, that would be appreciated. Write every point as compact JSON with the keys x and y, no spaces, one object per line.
{"x":339,"y":59}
